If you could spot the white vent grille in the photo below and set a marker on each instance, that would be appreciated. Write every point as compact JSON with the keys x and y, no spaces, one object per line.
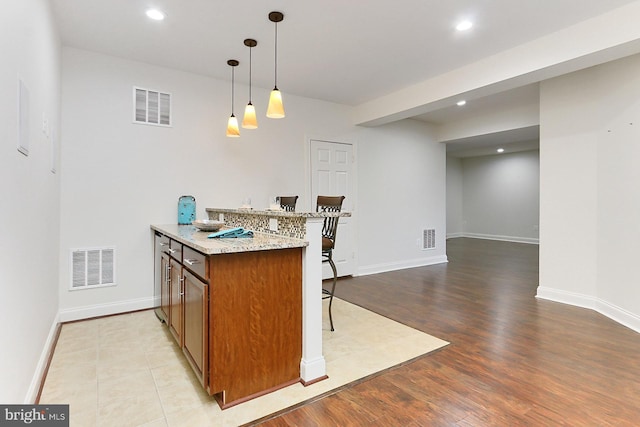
{"x":428,"y":239}
{"x":151,"y":107}
{"x":92,"y":268}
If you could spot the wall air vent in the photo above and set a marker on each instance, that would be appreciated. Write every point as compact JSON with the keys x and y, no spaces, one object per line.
{"x":151,"y":107}
{"x":428,"y":239}
{"x":91,"y":268}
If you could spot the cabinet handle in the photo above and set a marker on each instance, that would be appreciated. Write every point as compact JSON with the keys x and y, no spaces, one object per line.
{"x":191,"y":261}
{"x":181,"y":286}
{"x":163,"y":244}
{"x":173,"y":251}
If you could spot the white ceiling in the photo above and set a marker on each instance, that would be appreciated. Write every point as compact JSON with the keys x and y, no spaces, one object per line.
{"x":347,"y":52}
{"x":521,"y":139}
{"x":528,"y":94}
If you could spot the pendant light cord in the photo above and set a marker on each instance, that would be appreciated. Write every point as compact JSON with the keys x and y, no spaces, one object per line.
{"x":233,"y":81}
{"x":275,"y":71}
{"x":250,"y":49}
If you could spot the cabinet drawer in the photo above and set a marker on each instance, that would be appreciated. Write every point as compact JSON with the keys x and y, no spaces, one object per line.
{"x":195,"y":262}
{"x":162,"y":243}
{"x":175,"y":250}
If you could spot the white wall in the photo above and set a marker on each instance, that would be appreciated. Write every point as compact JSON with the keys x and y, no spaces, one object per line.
{"x":29,"y":219}
{"x":119,"y":177}
{"x":494,"y":197}
{"x":618,"y":193}
{"x":455,"y":227}
{"x":500,"y":196}
{"x":402,"y":191}
{"x":589,"y":154}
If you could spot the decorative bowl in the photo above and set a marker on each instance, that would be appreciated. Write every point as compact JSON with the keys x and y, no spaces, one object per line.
{"x":208,"y":224}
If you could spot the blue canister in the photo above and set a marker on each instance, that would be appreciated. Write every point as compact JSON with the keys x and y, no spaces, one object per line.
{"x":186,"y":210}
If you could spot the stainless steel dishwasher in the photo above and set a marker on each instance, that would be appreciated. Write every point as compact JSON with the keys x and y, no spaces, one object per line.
{"x":161,"y":246}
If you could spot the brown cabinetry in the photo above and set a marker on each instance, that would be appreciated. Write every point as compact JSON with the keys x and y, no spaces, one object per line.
{"x":195,"y":305}
{"x":255,"y":321}
{"x":196,"y":321}
{"x":171,"y":289}
{"x":184,"y":302}
{"x":175,"y":300}
{"x":237,"y":317}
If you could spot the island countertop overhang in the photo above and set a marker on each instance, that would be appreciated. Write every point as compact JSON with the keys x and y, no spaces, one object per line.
{"x":199,"y":240}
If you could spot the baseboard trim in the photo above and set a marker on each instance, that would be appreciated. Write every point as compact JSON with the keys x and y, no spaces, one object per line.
{"x":565,"y":297}
{"x":454,"y":235}
{"x":43,"y":364}
{"x":97,"y":310}
{"x":515,"y":239}
{"x":401,"y":265}
{"x":612,"y":311}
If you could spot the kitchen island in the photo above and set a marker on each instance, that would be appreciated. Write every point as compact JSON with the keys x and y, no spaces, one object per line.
{"x":298,"y":225}
{"x":247,"y":312}
{"x":234,"y":307}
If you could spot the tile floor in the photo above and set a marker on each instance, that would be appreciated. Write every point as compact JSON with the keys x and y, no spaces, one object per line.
{"x":126,"y":370}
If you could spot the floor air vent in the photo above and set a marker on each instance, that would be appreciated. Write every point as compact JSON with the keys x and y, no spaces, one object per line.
{"x":92,"y":268}
{"x":428,"y":238}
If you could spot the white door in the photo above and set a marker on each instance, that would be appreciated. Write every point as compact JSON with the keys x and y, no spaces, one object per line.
{"x":332,"y":175}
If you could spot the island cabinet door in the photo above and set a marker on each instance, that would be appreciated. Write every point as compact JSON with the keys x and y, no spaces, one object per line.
{"x":176,"y":293}
{"x":196,"y":325}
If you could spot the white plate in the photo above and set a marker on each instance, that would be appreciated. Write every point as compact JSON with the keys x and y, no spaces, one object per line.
{"x":208,"y":224}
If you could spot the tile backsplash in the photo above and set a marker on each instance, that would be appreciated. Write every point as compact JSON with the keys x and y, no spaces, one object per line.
{"x":290,"y":226}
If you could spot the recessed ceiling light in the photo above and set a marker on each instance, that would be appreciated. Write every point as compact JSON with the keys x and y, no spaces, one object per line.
{"x":500,"y":150}
{"x":464,"y":25}
{"x":155,"y":14}
{"x":461,"y":103}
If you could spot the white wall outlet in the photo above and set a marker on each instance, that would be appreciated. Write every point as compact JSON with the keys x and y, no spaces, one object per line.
{"x":273,"y":224}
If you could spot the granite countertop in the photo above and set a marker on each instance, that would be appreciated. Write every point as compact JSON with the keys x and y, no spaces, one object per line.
{"x":198,"y":240}
{"x":279,"y":212}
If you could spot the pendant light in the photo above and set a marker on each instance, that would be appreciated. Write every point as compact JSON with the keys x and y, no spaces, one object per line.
{"x":232,"y":125}
{"x":250,"y":121}
{"x":276,"y":109}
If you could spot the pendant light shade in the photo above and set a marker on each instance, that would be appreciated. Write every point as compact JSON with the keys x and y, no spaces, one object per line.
{"x":232,"y":127}
{"x":276,"y":108}
{"x":250,"y":121}
{"x":232,"y":124}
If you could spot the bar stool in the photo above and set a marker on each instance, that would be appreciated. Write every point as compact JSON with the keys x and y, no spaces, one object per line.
{"x":288,"y":203}
{"x":329,"y":231}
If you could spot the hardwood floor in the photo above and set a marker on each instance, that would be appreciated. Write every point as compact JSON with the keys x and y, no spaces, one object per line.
{"x":513,"y":360}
